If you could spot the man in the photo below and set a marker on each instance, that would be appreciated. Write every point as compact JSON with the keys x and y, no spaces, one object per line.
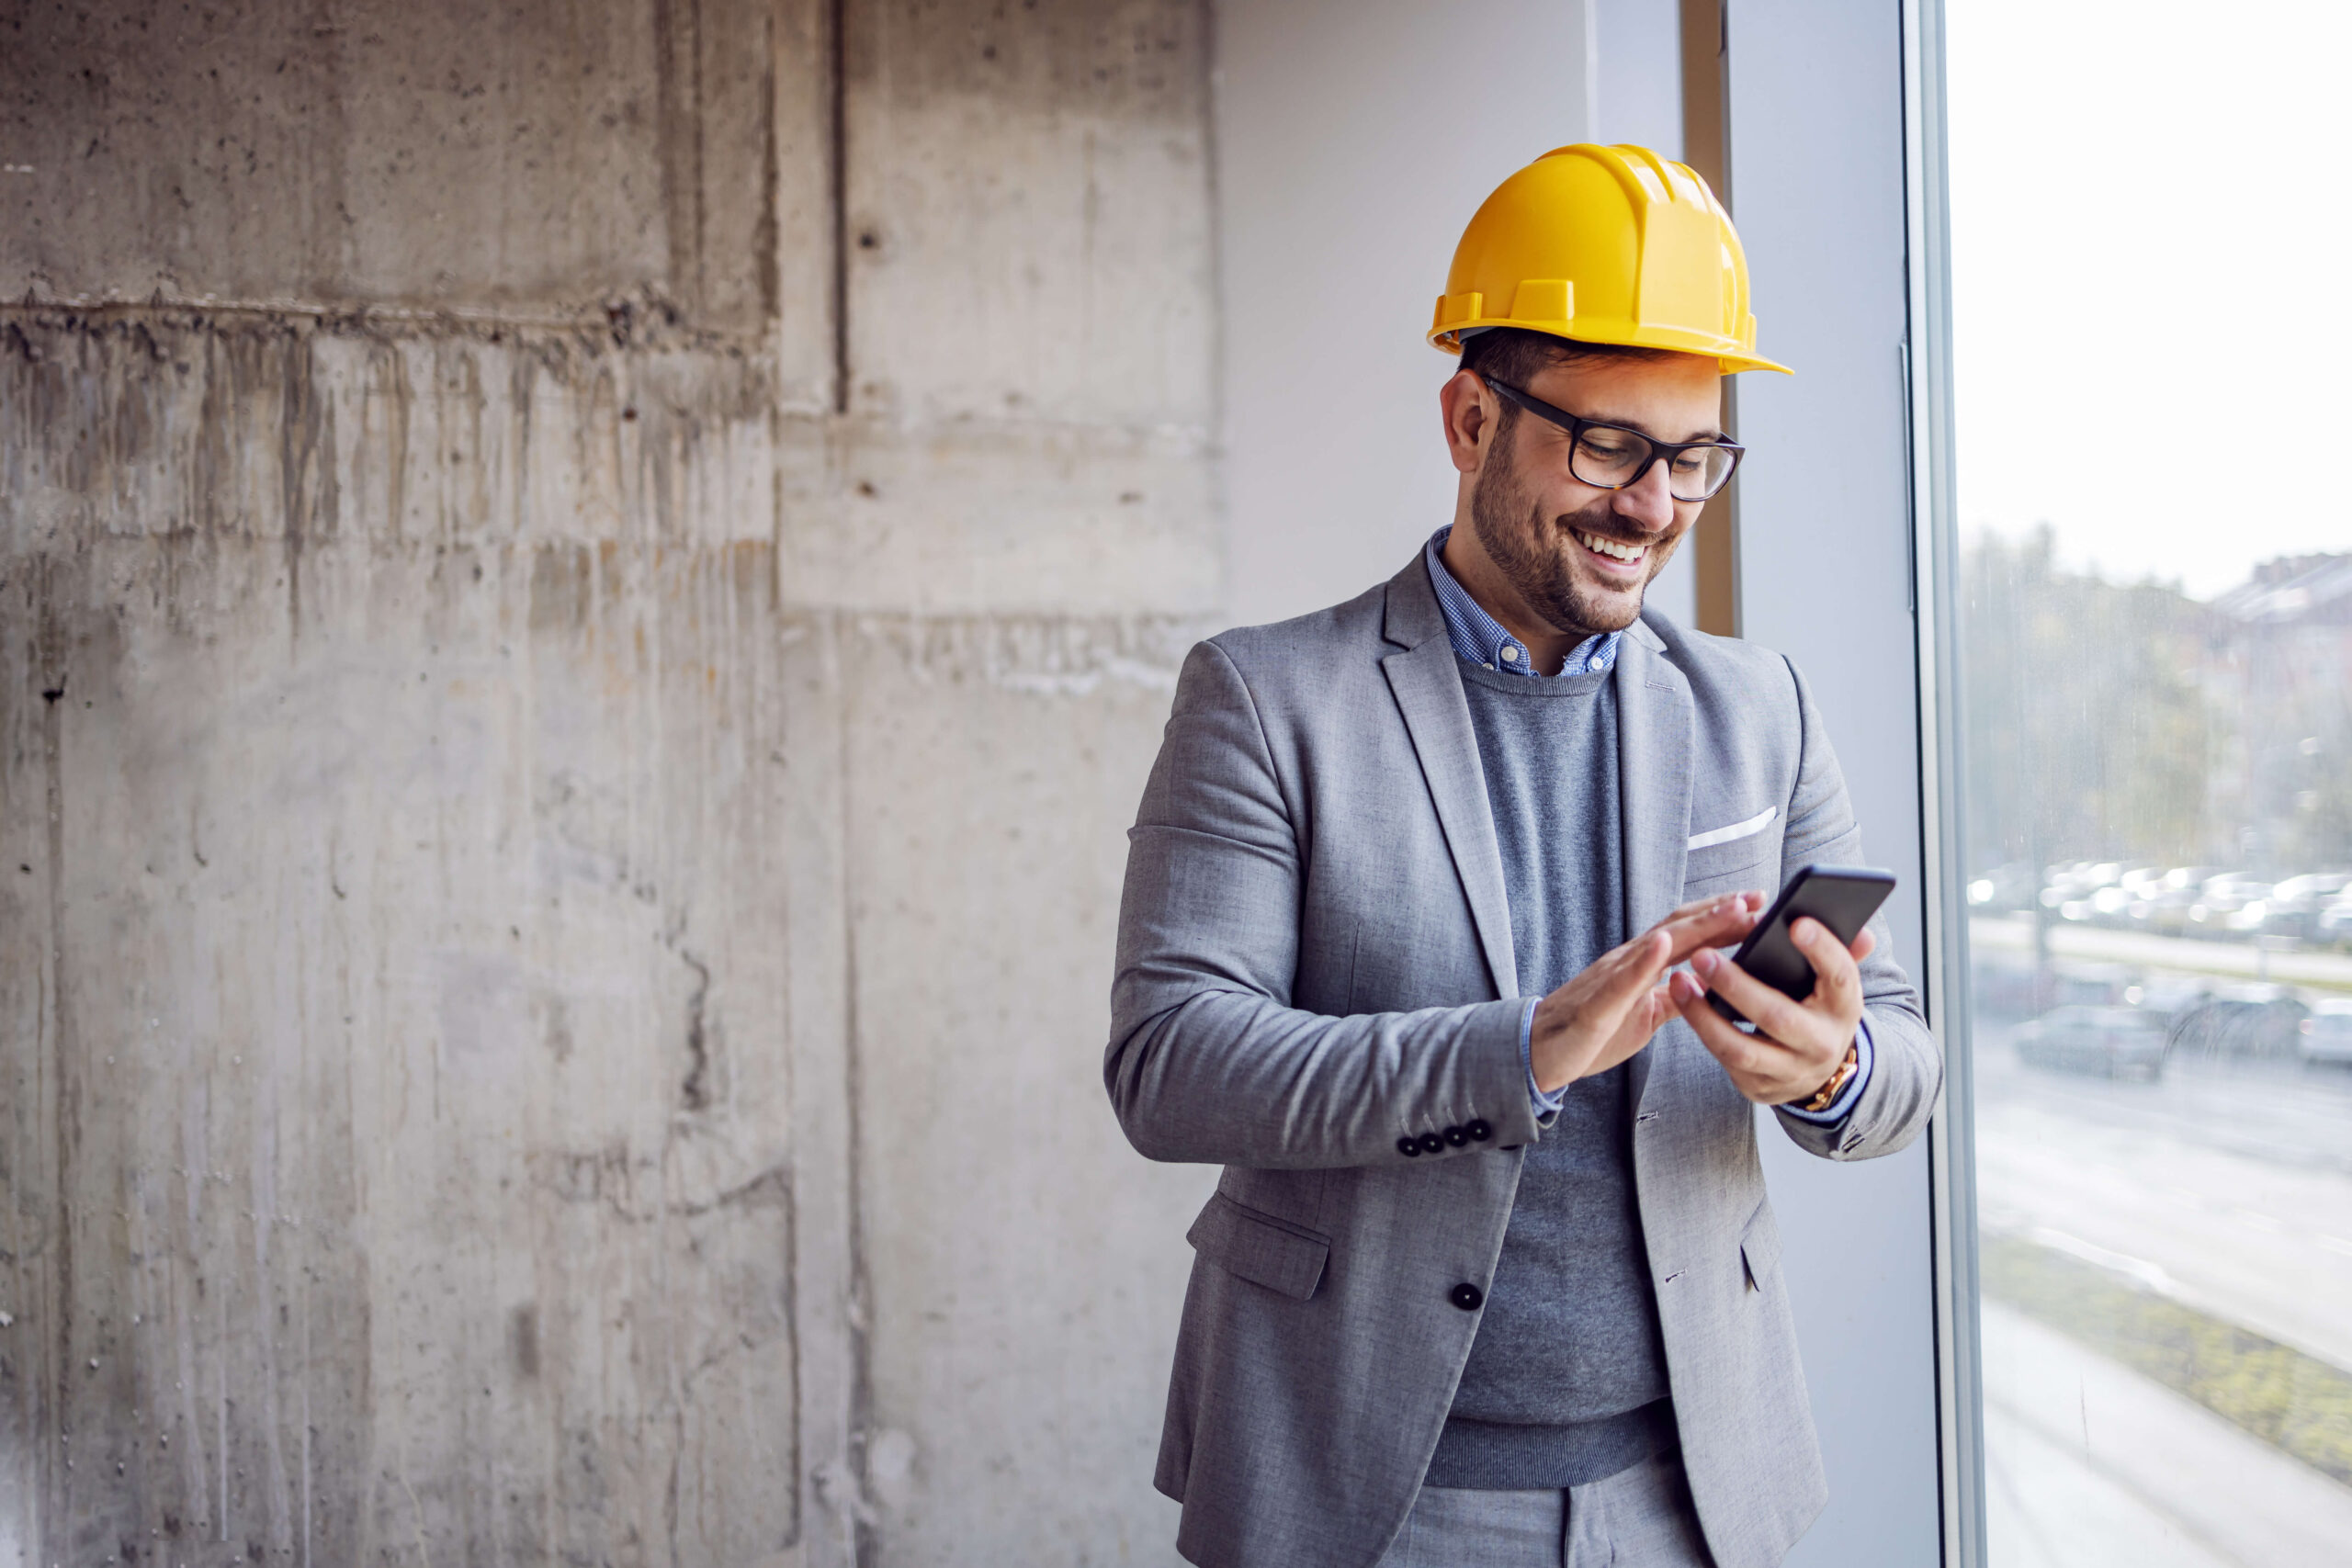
{"x":1491,"y":1276}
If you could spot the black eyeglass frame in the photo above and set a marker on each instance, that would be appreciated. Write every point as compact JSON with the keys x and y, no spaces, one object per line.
{"x":1660,"y":451}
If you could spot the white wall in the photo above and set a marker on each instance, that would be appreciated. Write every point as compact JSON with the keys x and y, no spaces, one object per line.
{"x":1637,"y":98}
{"x":1351,"y":151}
{"x":1352,"y":146}
{"x":1816,"y":127}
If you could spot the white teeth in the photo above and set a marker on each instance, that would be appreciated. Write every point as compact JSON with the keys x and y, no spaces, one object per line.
{"x":1611,"y":548}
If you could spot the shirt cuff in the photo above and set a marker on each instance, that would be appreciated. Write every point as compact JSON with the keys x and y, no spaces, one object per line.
{"x":1838,"y":1108}
{"x":1545,"y":1104}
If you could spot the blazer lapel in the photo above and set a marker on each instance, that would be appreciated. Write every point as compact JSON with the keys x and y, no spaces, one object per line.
{"x":1655,"y":746}
{"x":1429,"y":694}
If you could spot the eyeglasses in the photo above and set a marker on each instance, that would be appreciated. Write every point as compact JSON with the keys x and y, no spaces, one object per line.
{"x":1609,"y":457}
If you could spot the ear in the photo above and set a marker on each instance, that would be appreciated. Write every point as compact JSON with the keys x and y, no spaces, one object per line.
{"x":1473,"y":415}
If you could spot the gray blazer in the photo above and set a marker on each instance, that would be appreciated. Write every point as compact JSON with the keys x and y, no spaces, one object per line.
{"x":1315,"y":961}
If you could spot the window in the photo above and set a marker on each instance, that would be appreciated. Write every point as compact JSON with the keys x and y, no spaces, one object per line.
{"x":2153,"y":640}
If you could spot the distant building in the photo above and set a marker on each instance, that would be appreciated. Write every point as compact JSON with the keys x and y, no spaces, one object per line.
{"x":2280,"y":674}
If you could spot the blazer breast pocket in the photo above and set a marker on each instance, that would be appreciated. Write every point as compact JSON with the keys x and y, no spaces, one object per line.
{"x":1739,"y":855}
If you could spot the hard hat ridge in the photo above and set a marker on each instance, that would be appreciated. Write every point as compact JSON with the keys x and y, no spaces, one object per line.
{"x":1604,"y":245}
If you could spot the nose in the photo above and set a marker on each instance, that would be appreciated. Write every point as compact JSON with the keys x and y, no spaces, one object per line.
{"x":1648,"y":502}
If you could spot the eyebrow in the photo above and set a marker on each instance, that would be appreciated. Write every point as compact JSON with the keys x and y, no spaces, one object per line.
{"x":1643,"y":430}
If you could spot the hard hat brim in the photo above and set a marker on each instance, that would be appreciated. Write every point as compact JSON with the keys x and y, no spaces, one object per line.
{"x":1730,"y":352}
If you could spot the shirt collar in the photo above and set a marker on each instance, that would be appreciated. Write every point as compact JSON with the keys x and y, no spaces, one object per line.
{"x":1478,"y":638}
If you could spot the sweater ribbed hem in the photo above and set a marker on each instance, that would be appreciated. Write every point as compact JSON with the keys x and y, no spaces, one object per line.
{"x":1492,"y":1455}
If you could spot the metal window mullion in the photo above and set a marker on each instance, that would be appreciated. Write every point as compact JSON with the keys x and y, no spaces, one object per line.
{"x":1935,"y":550}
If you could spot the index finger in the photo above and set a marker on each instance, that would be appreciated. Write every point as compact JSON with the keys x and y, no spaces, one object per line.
{"x":1709,"y":923}
{"x":1752,"y":899}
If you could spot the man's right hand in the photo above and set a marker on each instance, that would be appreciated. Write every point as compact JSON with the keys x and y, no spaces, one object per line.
{"x":1609,"y":1012}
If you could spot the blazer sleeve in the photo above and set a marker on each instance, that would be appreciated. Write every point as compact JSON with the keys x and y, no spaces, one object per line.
{"x":1207,"y":1060}
{"x":1906,"y":1069}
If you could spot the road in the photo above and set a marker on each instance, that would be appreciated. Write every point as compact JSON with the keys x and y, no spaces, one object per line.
{"x":2234,"y":1182}
{"x":2227,"y":1184}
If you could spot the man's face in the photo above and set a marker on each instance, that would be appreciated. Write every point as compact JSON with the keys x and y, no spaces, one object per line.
{"x":1581,"y":555}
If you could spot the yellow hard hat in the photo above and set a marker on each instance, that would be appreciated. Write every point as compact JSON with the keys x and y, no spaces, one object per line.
{"x":1604,"y":245}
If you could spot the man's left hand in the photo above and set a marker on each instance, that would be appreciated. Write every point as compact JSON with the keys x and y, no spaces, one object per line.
{"x":1797,"y":1045}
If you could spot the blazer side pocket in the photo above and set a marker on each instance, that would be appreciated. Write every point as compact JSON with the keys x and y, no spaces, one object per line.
{"x":1260,"y":1249}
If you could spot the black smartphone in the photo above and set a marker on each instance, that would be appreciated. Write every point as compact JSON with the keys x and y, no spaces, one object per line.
{"x":1842,"y":898}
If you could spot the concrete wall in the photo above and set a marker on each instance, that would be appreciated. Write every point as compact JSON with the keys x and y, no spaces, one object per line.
{"x":576,"y":649}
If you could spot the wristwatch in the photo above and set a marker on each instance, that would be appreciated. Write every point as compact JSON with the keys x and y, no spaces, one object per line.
{"x":1828,"y":1095}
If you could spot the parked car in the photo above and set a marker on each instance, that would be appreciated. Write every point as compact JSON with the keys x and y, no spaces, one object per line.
{"x":2111,"y":1040}
{"x":2229,"y":905}
{"x":2077,"y":984}
{"x":2293,"y":908}
{"x":2002,"y":890}
{"x":2112,"y":906}
{"x":2103,"y":894}
{"x":2252,"y":1019}
{"x":2166,"y":907}
{"x":2328,"y":1034}
{"x":2074,"y":882}
{"x":2335,"y":921}
{"x":2167,"y":997}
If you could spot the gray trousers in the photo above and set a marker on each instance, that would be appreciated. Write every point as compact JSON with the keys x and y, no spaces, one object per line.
{"x":1640,"y":1518}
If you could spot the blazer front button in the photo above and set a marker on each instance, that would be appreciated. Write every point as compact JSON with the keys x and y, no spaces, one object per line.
{"x":1479,"y":1132}
{"x":1466,"y":1296}
{"x":1432,"y":1143}
{"x":1410,"y":1146}
{"x":1458,"y":1136}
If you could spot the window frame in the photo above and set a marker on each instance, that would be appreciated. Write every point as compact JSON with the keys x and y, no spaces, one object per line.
{"x":1935,"y":558}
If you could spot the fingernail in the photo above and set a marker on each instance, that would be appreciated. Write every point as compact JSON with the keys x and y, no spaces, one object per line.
{"x":1704,"y":962}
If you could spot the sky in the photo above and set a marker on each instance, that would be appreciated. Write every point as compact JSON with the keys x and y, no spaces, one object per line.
{"x":2152,"y":279}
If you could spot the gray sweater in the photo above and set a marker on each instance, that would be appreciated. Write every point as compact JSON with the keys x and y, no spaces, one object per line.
{"x":1565,"y":1380}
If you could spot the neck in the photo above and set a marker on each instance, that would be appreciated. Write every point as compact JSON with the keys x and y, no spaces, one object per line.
{"x":1547,"y":646}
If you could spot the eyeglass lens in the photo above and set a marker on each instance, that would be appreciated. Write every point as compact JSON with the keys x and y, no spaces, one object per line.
{"x":1613,"y":458}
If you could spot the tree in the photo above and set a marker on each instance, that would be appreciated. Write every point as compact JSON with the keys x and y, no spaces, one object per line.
{"x":2088,"y":730}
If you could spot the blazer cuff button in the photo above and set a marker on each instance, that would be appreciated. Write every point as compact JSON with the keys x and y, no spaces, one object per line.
{"x":1432,"y":1143}
{"x":1479,"y":1132}
{"x":1410,"y":1146}
{"x":1457,"y":1136}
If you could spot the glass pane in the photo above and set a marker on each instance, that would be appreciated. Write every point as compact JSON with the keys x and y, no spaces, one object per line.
{"x":2157,"y":669}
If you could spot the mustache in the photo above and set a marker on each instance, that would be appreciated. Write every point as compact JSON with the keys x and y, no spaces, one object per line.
{"x":1577,"y":521}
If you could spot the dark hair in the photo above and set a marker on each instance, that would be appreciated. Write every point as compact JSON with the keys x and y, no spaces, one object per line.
{"x":1514,"y":356}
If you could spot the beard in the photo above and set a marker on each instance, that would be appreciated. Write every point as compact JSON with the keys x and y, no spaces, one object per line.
{"x":1532,"y":552}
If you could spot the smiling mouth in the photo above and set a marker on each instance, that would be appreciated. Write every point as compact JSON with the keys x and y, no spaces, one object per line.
{"x":1628,"y":554}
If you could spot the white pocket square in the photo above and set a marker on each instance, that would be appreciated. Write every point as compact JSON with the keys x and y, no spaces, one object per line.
{"x":1755,"y":824}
